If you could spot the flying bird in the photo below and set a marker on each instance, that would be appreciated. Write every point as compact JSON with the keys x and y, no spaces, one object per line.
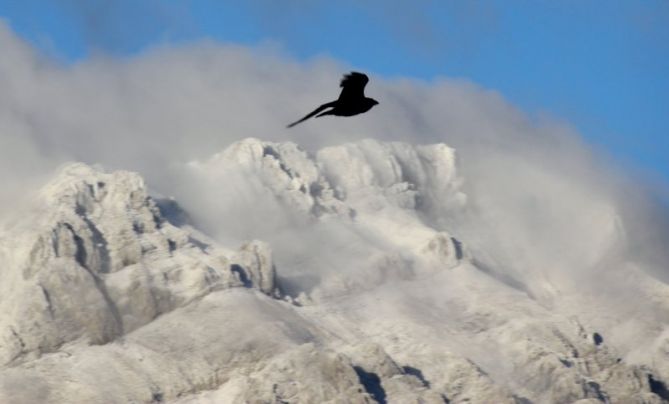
{"x":351,"y":101}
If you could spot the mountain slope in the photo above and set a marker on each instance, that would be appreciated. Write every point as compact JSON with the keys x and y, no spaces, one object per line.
{"x":368,"y":286}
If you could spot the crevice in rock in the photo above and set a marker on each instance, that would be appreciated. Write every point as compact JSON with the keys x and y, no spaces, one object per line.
{"x":80,"y":257}
{"x":54,"y":241}
{"x":410,"y":370}
{"x":98,"y":240}
{"x":47,"y":299}
{"x":596,"y":389}
{"x":457,"y":245}
{"x":157,"y":396}
{"x":372,"y":384}
{"x":597,"y":339}
{"x":171,"y":245}
{"x":277,"y":397}
{"x":18,"y":338}
{"x":566,"y":343}
{"x":243,"y":277}
{"x":212,"y":277}
{"x":521,"y":400}
{"x":658,"y":387}
{"x":566,"y":362}
{"x":22,"y":344}
{"x":199,"y":244}
{"x":171,"y":211}
{"x":269,"y":151}
{"x":137,"y":227}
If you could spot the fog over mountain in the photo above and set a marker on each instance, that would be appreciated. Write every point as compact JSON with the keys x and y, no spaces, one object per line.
{"x":164,"y":238}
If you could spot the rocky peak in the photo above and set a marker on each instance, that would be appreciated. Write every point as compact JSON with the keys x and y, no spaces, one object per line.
{"x":99,"y":259}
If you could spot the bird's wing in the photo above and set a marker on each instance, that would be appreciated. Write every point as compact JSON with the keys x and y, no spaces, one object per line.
{"x":353,"y":86}
{"x":312,"y":113}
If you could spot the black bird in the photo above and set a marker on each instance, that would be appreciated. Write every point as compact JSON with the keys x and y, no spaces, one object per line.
{"x":351,"y":101}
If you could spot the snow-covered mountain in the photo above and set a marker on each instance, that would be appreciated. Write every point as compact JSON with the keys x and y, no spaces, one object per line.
{"x":359,"y":273}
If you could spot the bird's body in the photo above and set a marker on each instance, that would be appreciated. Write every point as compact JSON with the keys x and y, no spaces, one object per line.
{"x":351,"y":101}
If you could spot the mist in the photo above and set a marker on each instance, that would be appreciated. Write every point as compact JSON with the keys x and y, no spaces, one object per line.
{"x":542,"y":205}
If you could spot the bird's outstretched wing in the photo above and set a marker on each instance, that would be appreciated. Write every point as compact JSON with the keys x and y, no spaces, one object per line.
{"x":353,"y":86}
{"x":312,"y":113}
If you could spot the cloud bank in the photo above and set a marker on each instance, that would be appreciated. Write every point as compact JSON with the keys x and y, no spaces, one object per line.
{"x":541,"y":203}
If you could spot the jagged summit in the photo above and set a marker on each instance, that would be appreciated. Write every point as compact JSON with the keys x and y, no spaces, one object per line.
{"x":100,"y":260}
{"x":353,"y":288}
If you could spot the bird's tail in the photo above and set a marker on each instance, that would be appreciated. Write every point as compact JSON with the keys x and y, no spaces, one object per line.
{"x":314,"y":112}
{"x":328,"y":112}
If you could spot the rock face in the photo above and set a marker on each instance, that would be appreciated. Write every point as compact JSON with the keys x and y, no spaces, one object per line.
{"x":98,"y":259}
{"x":358,"y":291}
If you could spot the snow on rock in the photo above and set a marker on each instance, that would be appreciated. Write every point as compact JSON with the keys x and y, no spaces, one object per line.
{"x":303,"y":374}
{"x":255,"y":260}
{"x":284,"y":169}
{"x":193,"y":348}
{"x":352,"y":288}
{"x":96,"y":260}
{"x":406,"y":176}
{"x":369,"y":191}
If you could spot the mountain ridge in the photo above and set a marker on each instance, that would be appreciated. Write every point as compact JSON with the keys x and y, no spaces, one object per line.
{"x":354,"y":293}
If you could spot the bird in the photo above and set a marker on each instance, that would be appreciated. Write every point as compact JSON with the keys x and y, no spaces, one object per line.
{"x":351,"y":101}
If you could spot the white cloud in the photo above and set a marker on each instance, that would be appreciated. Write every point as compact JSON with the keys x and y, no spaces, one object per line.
{"x":541,"y":201}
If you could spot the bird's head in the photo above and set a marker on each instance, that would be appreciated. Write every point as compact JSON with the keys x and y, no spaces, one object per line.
{"x":371,"y":102}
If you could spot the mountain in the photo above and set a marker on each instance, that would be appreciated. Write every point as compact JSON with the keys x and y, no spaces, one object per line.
{"x":360,"y":273}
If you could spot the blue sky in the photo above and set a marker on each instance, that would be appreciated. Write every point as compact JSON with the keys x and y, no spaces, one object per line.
{"x":600,"y":65}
